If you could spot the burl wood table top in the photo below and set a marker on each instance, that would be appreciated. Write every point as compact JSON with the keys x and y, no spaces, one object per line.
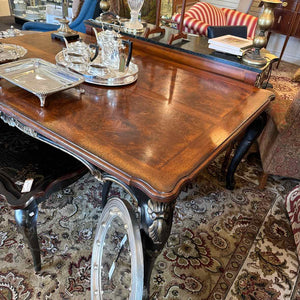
{"x":155,"y":134}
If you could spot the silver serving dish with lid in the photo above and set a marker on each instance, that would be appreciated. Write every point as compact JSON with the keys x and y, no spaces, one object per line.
{"x":10,"y":52}
{"x":10,"y":32}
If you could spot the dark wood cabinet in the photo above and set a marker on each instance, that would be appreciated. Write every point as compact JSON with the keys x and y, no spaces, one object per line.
{"x":287,"y":21}
{"x":297,"y":26}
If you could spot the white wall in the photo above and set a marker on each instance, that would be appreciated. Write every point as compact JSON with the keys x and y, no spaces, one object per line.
{"x":292,"y":50}
{"x":4,"y":8}
{"x":233,"y":4}
{"x":244,"y":5}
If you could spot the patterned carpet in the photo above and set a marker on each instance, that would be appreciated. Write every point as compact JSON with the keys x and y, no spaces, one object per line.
{"x":223,"y":245}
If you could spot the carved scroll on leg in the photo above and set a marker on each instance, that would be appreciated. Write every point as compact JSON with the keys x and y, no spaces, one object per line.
{"x":161,"y":215}
{"x":156,"y":223}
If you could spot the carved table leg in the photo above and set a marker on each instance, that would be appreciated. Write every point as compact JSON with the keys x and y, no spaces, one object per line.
{"x":26,"y":220}
{"x":252,"y":132}
{"x":156,"y":223}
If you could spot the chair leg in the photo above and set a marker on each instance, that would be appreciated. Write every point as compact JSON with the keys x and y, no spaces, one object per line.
{"x":263,"y":181}
{"x":252,"y":132}
{"x":26,"y":220}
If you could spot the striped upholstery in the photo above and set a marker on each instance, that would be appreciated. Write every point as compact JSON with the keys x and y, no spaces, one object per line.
{"x":237,"y":18}
{"x":202,"y":14}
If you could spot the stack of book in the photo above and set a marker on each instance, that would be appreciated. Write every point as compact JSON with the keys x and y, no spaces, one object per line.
{"x":230,"y":44}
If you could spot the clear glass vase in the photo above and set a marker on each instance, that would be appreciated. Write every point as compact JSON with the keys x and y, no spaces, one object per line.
{"x":134,"y":24}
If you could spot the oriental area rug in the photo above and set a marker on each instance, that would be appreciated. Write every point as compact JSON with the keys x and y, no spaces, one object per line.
{"x":223,"y":245}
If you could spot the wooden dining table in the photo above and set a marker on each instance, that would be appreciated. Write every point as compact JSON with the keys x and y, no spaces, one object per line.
{"x":152,"y":136}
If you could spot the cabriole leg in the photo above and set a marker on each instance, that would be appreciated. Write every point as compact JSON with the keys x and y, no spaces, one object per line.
{"x":26,"y":220}
{"x":252,"y":133}
{"x":156,"y":223}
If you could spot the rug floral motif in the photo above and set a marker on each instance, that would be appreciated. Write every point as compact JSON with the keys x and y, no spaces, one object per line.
{"x":282,"y":81}
{"x":235,"y":245}
{"x":222,"y":241}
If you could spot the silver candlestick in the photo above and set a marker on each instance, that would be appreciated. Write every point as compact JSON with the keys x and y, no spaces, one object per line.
{"x":64,"y":31}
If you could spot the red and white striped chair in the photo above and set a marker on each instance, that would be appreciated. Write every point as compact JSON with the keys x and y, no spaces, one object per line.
{"x":202,"y":15}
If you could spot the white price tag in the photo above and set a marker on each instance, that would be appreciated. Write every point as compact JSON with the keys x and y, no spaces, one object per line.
{"x":27,"y":185}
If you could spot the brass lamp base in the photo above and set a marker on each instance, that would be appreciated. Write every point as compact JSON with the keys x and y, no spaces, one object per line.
{"x":260,"y":40}
{"x":254,"y":58}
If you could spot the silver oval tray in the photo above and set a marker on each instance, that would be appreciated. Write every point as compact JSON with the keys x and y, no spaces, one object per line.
{"x":10,"y":52}
{"x":113,"y":79}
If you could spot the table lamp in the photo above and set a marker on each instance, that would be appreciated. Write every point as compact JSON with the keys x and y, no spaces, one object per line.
{"x":265,"y":21}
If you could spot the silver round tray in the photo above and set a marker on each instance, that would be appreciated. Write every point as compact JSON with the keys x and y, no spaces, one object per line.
{"x":117,"y":266}
{"x":11,"y":52}
{"x":113,"y":79}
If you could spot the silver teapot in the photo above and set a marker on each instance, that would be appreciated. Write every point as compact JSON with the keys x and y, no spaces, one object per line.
{"x":79,"y":54}
{"x":112,"y":46}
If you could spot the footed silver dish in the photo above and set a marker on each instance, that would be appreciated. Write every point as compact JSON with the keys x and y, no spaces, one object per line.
{"x":39,"y":77}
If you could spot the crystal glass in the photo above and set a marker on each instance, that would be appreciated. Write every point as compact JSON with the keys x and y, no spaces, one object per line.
{"x":134,"y":24}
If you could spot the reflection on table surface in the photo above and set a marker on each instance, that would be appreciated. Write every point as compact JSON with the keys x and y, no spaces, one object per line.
{"x":194,"y":44}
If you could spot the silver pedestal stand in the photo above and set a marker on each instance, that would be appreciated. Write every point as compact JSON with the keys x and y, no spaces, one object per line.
{"x":64,"y":31}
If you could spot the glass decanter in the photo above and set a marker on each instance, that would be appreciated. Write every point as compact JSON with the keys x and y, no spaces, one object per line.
{"x":134,"y":24}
